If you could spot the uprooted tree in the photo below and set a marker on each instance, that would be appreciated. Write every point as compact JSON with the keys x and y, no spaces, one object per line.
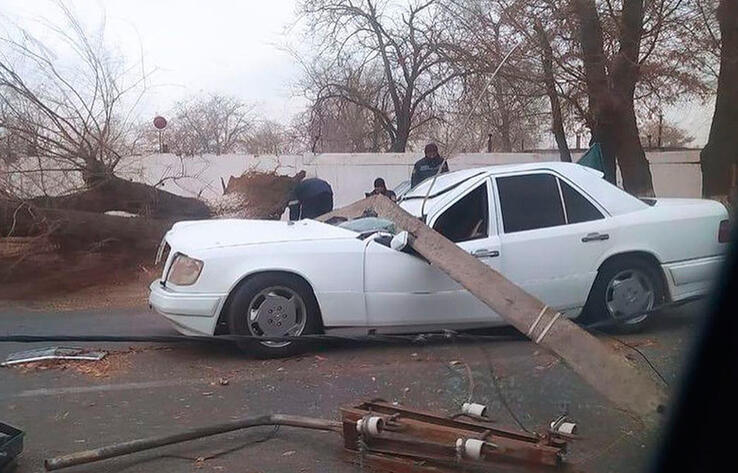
{"x":75,"y":118}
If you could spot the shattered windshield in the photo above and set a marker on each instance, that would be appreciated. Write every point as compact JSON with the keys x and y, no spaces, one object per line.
{"x":216,"y":251}
{"x":369,"y":224}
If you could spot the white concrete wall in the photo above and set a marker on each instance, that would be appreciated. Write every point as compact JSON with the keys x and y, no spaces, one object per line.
{"x":675,"y":173}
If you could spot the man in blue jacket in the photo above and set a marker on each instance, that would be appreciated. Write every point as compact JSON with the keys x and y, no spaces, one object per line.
{"x":311,"y":198}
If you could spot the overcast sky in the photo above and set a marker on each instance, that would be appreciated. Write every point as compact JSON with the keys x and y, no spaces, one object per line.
{"x":225,"y":46}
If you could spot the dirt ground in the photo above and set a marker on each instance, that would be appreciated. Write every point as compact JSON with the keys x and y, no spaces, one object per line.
{"x":33,"y":275}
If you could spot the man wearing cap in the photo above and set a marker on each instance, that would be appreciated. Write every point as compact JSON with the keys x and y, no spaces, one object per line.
{"x":428,"y":165}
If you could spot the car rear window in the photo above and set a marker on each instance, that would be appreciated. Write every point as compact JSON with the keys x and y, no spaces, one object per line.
{"x":578,"y":208}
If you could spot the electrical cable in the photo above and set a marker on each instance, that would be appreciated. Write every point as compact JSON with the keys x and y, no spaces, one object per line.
{"x":445,"y":335}
{"x":500,"y":395}
{"x":462,"y":128}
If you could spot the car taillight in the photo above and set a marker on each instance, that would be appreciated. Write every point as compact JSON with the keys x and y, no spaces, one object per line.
{"x":724,"y":231}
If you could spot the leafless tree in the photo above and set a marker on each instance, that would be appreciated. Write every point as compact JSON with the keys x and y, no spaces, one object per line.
{"x":637,"y":54}
{"x":669,"y":135}
{"x":506,"y":113}
{"x":272,"y":137}
{"x":719,"y":157}
{"x":400,"y":45}
{"x":213,"y":123}
{"x":333,"y":124}
{"x":78,"y":117}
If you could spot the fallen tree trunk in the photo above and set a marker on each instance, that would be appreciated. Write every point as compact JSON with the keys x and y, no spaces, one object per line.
{"x":73,"y":229}
{"x":602,"y":367}
{"x":114,"y":193}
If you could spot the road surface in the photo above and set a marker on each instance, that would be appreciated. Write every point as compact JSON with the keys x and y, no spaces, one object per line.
{"x":158,"y":389}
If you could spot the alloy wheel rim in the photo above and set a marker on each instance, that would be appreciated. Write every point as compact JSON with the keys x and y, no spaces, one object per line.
{"x":628,"y":293}
{"x":276,"y":311}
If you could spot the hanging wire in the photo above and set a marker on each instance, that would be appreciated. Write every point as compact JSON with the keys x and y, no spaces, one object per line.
{"x":457,"y":138}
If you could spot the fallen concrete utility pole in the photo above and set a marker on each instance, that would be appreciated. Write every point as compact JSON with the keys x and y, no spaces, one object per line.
{"x":601,"y":366}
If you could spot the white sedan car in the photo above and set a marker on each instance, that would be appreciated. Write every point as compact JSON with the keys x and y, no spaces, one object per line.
{"x":558,"y":230}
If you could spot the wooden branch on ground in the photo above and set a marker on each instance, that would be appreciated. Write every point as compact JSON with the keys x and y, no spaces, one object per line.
{"x":598,"y":364}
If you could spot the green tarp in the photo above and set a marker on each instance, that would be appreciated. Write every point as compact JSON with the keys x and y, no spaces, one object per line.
{"x":593,"y":158}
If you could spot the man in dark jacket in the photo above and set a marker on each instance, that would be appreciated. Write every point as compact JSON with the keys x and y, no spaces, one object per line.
{"x":428,"y":165}
{"x":381,"y":188}
{"x":311,"y":198}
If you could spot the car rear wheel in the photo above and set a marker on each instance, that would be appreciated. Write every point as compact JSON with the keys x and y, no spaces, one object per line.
{"x":273,"y":305}
{"x":623,"y":289}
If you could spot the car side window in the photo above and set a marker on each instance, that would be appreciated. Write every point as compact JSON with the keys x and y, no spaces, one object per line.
{"x":578,"y":208}
{"x":467,"y":219}
{"x":530,"y":201}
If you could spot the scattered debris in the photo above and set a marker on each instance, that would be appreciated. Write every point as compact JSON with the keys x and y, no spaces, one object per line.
{"x":52,"y":353}
{"x":113,"y":363}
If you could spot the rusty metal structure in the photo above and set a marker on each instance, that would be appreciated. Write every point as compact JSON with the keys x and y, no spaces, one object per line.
{"x":388,"y":437}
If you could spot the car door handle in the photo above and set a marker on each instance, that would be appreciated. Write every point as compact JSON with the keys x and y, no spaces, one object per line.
{"x":485,"y":253}
{"x":595,"y":237}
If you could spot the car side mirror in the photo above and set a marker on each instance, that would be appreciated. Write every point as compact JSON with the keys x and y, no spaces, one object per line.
{"x":401,"y":241}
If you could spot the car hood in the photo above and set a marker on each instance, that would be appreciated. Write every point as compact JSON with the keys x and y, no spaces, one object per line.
{"x":206,"y":234}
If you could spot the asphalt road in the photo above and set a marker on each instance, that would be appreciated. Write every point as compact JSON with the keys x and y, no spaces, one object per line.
{"x":158,"y":389}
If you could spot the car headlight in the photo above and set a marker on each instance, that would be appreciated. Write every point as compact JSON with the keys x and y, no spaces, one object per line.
{"x":184,"y":270}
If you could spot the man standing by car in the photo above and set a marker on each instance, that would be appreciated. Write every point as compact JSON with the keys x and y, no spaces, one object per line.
{"x":311,"y":198}
{"x":428,"y":165}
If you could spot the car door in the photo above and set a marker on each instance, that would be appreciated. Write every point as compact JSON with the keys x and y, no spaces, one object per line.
{"x":404,"y":290}
{"x":552,"y":237}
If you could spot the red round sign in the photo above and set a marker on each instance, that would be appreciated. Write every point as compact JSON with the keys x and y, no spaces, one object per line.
{"x":160,"y":122}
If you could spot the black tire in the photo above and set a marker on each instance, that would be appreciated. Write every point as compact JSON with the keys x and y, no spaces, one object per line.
{"x":596,"y":309}
{"x":252,"y":288}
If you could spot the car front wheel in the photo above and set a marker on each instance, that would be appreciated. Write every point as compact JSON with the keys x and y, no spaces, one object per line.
{"x":623,"y":290}
{"x":273,"y":305}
